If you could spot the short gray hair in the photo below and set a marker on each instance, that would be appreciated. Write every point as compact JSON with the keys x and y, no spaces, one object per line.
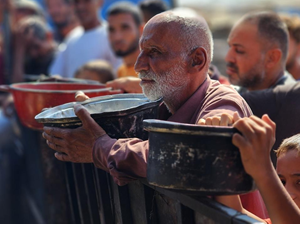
{"x":194,"y":31}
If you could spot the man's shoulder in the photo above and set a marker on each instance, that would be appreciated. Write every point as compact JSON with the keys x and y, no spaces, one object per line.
{"x":216,"y":88}
{"x":221,"y":95}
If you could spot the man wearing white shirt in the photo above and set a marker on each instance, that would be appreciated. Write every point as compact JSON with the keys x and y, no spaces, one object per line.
{"x":89,"y":45}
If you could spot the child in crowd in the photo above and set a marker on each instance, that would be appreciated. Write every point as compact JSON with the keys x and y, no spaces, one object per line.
{"x":97,"y":70}
{"x":281,"y":190}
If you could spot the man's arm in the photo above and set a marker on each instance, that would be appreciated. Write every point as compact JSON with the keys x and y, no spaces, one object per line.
{"x":124,"y":159}
{"x":127,"y":84}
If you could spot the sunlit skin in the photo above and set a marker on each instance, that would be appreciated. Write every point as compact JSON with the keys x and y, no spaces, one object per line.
{"x":245,"y":57}
{"x":288,"y":170}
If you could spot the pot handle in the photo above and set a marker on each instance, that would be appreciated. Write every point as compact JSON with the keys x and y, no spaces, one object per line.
{"x":5,"y":88}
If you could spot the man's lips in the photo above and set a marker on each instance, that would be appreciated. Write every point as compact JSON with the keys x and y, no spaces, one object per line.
{"x":119,"y":45}
{"x":230,"y":70}
{"x":146,"y":81}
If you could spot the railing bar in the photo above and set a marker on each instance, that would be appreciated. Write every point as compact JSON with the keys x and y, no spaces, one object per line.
{"x":207,"y":206}
{"x":86,"y":189}
{"x":77,"y":194}
{"x":69,"y":195}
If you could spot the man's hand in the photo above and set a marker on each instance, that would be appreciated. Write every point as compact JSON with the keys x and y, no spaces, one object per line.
{"x":255,"y":143}
{"x":75,"y":145}
{"x":223,"y":120}
{"x":127,"y":84}
{"x":80,"y":96}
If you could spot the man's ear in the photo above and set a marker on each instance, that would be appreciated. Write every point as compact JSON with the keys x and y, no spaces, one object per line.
{"x":273,"y":57}
{"x":198,"y":60}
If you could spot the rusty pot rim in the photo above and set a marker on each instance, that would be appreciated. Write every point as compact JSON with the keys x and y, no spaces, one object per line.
{"x":42,"y":117}
{"x":87,"y":89}
{"x":161,"y":126}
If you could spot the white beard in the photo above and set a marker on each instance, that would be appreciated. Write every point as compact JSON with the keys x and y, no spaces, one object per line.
{"x":168,"y":85}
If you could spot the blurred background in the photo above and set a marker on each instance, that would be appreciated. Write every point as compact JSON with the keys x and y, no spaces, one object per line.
{"x":220,"y":14}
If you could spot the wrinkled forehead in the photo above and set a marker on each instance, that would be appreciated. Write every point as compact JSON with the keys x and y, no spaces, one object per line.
{"x":161,"y":32}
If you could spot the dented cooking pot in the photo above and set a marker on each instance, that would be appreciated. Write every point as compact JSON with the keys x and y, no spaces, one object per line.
{"x":195,"y":159}
{"x":31,"y":98}
{"x":120,"y":115}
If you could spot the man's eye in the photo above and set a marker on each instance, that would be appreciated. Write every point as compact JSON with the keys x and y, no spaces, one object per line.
{"x":239,"y":51}
{"x":153,"y":50}
{"x":283,"y":182}
{"x":298,"y":182}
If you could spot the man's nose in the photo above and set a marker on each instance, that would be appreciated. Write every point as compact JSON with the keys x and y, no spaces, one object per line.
{"x":230,"y":56}
{"x":141,"y":63}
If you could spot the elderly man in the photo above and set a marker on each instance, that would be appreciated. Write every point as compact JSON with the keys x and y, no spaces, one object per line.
{"x":173,"y":63}
{"x":258,"y":45}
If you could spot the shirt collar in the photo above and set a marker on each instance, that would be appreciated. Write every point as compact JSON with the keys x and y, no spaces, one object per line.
{"x":186,"y":113}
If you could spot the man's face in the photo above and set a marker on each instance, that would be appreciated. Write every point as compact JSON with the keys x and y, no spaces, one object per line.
{"x":288,"y":170}
{"x":292,"y":52}
{"x":162,"y":63}
{"x":87,"y":10}
{"x":245,"y":57}
{"x":123,"y":34}
{"x":59,"y":11}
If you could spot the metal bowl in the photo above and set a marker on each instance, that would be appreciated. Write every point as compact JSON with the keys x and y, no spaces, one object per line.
{"x":121,"y":115}
{"x":195,"y":159}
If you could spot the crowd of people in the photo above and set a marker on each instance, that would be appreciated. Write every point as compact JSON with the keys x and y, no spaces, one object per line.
{"x":149,"y":49}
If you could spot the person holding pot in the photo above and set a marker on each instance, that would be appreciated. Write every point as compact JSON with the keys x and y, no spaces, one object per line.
{"x":176,"y":52}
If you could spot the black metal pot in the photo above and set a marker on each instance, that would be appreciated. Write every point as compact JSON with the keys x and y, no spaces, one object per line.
{"x":195,"y":159}
{"x":121,"y":116}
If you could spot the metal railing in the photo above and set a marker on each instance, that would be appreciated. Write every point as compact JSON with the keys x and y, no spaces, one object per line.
{"x":95,"y":198}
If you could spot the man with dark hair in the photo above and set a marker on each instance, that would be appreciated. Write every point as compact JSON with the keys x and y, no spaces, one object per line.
{"x":152,"y":7}
{"x":293,"y":59}
{"x":256,"y":61}
{"x":124,"y":28}
{"x":64,"y":19}
{"x":34,"y":48}
{"x":258,"y":45}
{"x":90,"y":45}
